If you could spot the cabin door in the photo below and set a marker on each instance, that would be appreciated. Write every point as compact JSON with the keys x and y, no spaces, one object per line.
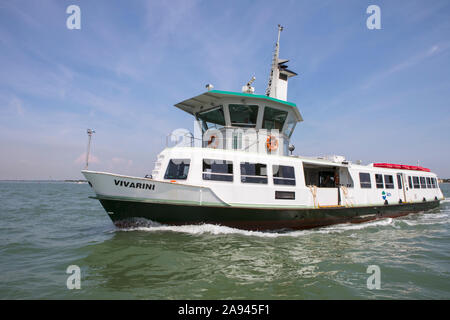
{"x":401,"y":183}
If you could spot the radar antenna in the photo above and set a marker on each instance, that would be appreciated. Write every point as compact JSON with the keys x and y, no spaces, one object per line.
{"x":248,"y":87}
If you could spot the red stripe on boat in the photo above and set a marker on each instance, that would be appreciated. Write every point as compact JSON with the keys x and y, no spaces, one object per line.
{"x":400,"y":166}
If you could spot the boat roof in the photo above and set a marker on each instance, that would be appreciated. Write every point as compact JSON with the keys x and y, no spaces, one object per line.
{"x":210,"y":98}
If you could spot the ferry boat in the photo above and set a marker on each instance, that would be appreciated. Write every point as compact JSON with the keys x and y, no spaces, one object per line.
{"x":237,"y":170}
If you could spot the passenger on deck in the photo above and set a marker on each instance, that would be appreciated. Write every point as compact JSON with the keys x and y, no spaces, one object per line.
{"x":328,"y":183}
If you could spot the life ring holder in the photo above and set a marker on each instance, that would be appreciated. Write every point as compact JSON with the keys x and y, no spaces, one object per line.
{"x":212,"y":144}
{"x":272,"y":143}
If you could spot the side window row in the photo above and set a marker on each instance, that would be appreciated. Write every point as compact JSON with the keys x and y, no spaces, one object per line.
{"x":422,"y":183}
{"x":222,"y":170}
{"x":388,"y":181}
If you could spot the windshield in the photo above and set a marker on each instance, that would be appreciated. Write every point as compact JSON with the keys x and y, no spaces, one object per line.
{"x":274,"y":118}
{"x":212,"y":118}
{"x":290,"y":125}
{"x":243,"y":115}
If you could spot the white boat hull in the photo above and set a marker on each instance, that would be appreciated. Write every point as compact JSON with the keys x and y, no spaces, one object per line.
{"x":107,"y":185}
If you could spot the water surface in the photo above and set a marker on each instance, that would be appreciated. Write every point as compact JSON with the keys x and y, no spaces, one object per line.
{"x":47,"y":226}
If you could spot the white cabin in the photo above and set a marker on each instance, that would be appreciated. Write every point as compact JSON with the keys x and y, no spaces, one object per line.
{"x":253,"y":179}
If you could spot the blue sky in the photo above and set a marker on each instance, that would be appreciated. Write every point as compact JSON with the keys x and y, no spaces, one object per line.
{"x":371,"y":95}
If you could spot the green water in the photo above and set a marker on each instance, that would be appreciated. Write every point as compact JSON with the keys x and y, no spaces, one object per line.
{"x":45,"y":227}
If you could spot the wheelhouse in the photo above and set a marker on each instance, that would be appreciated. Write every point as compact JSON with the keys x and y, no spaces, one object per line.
{"x":242,"y":119}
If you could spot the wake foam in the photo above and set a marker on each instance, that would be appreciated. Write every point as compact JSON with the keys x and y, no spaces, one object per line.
{"x":359,"y":226}
{"x":209,"y":229}
{"x":442,"y":217}
{"x":150,"y":226}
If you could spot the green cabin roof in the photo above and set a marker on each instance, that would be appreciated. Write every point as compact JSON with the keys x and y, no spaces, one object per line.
{"x":213,"y":97}
{"x":250,"y":95}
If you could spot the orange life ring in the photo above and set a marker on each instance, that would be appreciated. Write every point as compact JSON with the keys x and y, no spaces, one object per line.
{"x":210,"y":142}
{"x":272,"y":143}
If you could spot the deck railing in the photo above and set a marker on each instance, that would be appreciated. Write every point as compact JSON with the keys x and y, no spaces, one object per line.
{"x":231,"y":139}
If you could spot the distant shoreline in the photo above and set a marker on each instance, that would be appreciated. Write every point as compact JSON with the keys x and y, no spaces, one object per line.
{"x":21,"y":180}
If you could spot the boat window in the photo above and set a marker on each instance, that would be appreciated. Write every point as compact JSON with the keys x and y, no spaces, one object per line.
{"x":253,"y":172}
{"x":242,"y":115}
{"x":422,"y":183}
{"x":283,"y":175}
{"x":218,"y":170}
{"x":274,"y":118}
{"x":364,"y":179}
{"x":285,"y":195}
{"x":434,"y":182}
{"x":416,"y":183}
{"x":428,"y":183}
{"x":212,"y":118}
{"x":410,"y":182}
{"x":389,"y":181}
{"x":399,"y":181}
{"x":177,"y":169}
{"x":379,"y":181}
{"x":290,"y":125}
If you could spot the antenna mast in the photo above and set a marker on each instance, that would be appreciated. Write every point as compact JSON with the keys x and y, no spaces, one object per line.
{"x":89,"y":133}
{"x":274,"y":68}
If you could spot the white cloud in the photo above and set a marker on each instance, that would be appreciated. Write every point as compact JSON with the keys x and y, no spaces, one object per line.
{"x":17,"y":105}
{"x":81,"y":159}
{"x":407,"y":63}
{"x":117,"y":164}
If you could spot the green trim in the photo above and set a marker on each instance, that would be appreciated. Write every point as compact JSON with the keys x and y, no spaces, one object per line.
{"x":258,"y":96}
{"x":160,"y":201}
{"x":196,"y":203}
{"x":265,"y":206}
{"x":250,"y":206}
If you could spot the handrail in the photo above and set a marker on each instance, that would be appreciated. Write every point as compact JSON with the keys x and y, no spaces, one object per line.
{"x":251,"y":142}
{"x":218,"y":173}
{"x":190,"y":136}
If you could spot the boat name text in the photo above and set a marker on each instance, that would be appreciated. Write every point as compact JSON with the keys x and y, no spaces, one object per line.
{"x":138,"y":185}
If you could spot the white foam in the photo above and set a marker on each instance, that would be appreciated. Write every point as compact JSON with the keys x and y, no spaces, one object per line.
{"x":442,"y":217}
{"x":212,"y":229}
{"x":359,"y":226}
{"x":151,"y":226}
{"x":446,"y":200}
